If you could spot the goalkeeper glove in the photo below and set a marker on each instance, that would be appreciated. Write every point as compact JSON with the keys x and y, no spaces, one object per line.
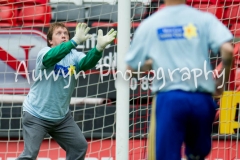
{"x":81,"y":34}
{"x":103,"y":41}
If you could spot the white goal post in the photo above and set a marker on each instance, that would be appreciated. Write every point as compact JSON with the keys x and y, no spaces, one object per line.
{"x":122,"y":110}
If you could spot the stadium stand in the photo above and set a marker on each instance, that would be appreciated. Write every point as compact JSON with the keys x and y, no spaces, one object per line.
{"x":6,"y":1}
{"x":229,"y":1}
{"x":7,"y":15}
{"x":34,"y":12}
{"x":230,"y":17}
{"x":34,"y":15}
{"x":105,"y":13}
{"x":206,"y":7}
{"x":67,"y":12}
{"x":83,"y":2}
{"x":235,"y":29}
{"x":139,"y":12}
{"x":70,"y":12}
{"x":237,"y":64}
{"x":31,"y":2}
{"x":24,"y":13}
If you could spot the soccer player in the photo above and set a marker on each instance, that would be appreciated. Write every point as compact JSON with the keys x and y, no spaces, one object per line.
{"x":175,"y":41}
{"x":46,"y":107}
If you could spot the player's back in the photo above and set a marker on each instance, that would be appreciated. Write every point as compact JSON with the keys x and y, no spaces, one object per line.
{"x":181,"y":38}
{"x":178,"y":39}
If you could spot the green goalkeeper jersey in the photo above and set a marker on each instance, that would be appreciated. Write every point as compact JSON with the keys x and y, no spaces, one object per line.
{"x":56,"y":77}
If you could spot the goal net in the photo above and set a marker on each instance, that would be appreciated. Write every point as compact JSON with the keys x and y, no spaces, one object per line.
{"x":23,"y":28}
{"x":225,"y":134}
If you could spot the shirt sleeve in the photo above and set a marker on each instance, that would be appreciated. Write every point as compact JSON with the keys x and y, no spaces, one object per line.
{"x":218,"y":34}
{"x":90,"y":60}
{"x":137,"y":52}
{"x":57,"y":53}
{"x":39,"y":60}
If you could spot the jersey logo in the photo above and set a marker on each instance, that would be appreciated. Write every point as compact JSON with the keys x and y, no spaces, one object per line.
{"x":188,"y":31}
{"x":71,"y":69}
{"x":62,"y":70}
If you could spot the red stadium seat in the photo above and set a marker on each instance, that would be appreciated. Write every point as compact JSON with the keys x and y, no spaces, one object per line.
{"x":231,"y":12}
{"x":34,"y":15}
{"x":7,"y":13}
{"x":189,"y":2}
{"x":22,"y":3}
{"x":198,"y":1}
{"x":235,"y":29}
{"x":236,"y":66}
{"x":237,"y":79}
{"x":6,"y":1}
{"x":33,"y":1}
{"x":230,"y":1}
{"x":208,"y":8}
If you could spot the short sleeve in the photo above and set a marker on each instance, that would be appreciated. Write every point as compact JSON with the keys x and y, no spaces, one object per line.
{"x":40,"y":56}
{"x":137,"y":52}
{"x":218,"y":33}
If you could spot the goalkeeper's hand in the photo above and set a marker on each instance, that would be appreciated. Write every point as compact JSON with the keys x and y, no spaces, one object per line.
{"x":81,"y":33}
{"x":103,"y":41}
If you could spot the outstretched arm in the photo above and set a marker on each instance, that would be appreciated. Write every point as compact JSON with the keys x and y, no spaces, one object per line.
{"x":94,"y":55}
{"x":56,"y":54}
{"x":90,"y":60}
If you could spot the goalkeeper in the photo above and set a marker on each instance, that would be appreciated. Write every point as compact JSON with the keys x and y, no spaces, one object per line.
{"x":175,"y":42}
{"x":46,"y":107}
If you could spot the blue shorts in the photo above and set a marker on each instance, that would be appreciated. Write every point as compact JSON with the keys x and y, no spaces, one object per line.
{"x":181,"y":117}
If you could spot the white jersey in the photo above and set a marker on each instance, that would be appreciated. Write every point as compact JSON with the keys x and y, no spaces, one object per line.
{"x":178,"y":40}
{"x":50,"y":95}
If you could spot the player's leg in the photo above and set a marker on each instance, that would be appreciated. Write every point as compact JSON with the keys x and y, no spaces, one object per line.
{"x":33,"y":134}
{"x":171,"y":117}
{"x":69,"y":136}
{"x":199,"y":128}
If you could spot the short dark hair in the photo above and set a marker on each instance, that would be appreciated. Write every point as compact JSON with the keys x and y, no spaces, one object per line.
{"x":52,"y":27}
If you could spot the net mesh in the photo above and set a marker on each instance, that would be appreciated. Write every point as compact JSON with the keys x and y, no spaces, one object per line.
{"x":23,"y":28}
